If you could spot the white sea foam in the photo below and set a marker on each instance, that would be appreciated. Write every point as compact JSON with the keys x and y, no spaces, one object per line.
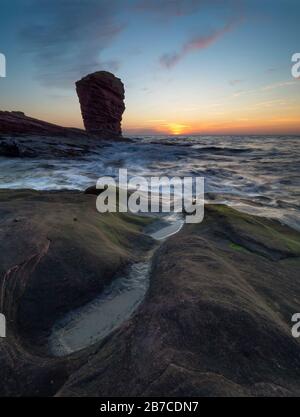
{"x":257,"y":173}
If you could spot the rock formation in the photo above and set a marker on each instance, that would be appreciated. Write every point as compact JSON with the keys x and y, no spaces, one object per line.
{"x":101,"y":96}
{"x":17,"y":123}
{"x":24,"y":136}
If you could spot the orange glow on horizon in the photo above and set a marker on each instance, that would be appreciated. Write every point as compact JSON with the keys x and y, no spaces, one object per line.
{"x":258,"y":118}
{"x":176,"y":128}
{"x":272,"y":126}
{"x":239,"y":126}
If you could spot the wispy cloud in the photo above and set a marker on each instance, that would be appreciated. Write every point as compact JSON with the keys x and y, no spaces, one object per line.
{"x":170,"y":8}
{"x":271,"y":103}
{"x":263,"y":89}
{"x":66,"y":38}
{"x":241,"y":93}
{"x":271,"y":70}
{"x":278,"y":85}
{"x":196,"y":44}
{"x":235,"y":82}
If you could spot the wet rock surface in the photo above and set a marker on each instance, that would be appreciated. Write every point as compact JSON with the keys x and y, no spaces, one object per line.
{"x":46,"y":147}
{"x":216,"y":319}
{"x":57,"y":253}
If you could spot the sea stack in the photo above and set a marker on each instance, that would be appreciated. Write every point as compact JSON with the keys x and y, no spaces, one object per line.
{"x":101,"y":96}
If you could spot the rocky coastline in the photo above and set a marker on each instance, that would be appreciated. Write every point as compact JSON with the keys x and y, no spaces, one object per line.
{"x":101,"y":96}
{"x":215,"y":320}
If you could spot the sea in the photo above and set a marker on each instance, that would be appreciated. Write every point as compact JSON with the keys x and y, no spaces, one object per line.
{"x":255,"y":174}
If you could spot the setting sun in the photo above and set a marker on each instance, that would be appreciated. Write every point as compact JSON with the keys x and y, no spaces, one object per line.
{"x":176,"y":129}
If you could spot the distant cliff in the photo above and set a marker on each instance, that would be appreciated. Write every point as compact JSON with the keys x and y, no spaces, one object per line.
{"x":17,"y":123}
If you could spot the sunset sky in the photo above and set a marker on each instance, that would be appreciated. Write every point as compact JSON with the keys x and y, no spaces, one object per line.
{"x":194,"y":66}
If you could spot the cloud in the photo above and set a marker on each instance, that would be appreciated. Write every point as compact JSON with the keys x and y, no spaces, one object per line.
{"x":271,"y":70}
{"x":240,"y":93}
{"x":235,"y":82}
{"x":196,"y":44}
{"x":271,"y":103}
{"x":66,"y":38}
{"x":278,"y":85}
{"x":170,"y":8}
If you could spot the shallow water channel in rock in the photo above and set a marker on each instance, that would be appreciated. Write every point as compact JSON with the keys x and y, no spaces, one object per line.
{"x":95,"y":320}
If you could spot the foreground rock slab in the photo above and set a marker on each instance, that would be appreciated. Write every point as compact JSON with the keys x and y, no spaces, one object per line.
{"x":216,"y":320}
{"x":57,"y":253}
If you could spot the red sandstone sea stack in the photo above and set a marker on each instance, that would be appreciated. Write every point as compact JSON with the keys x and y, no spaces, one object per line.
{"x":101,"y":96}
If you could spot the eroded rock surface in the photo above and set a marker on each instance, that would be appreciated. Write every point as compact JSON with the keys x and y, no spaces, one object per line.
{"x":216,"y":321}
{"x":101,"y":96}
{"x":57,"y":253}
